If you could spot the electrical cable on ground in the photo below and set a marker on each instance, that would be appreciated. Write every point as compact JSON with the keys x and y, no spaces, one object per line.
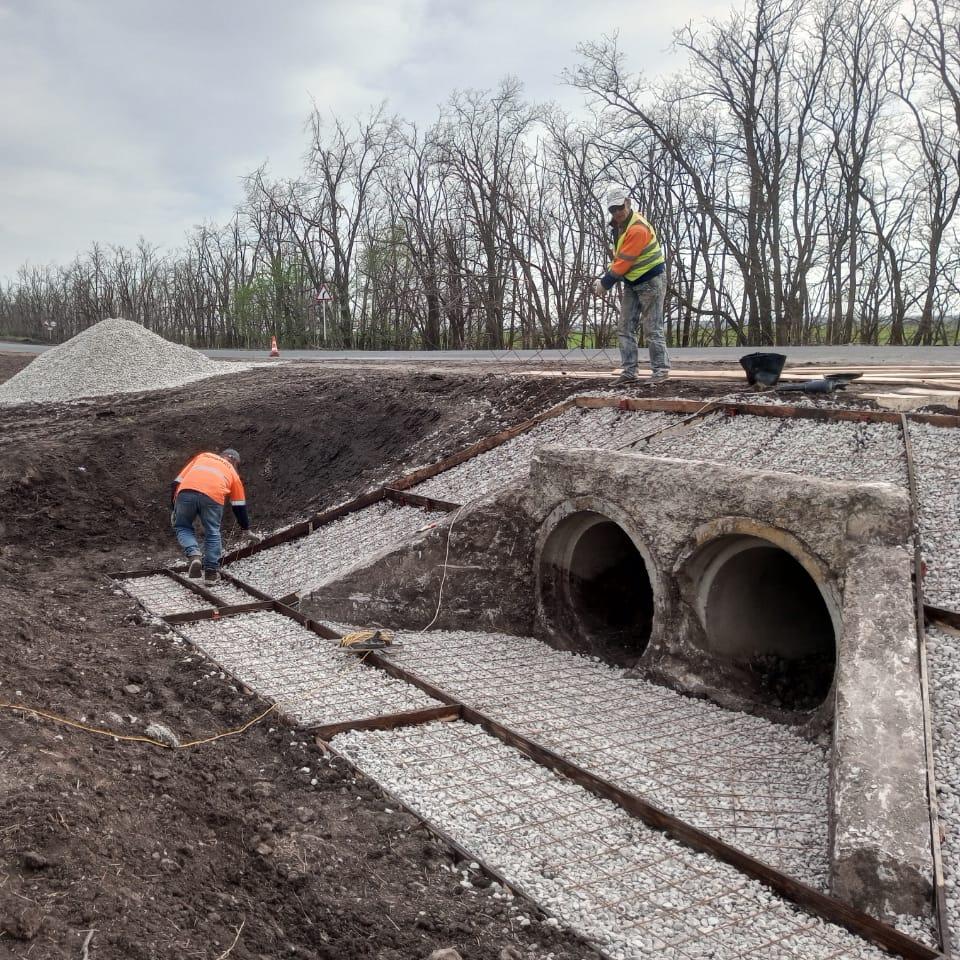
{"x":443,"y":575}
{"x":132,"y":738}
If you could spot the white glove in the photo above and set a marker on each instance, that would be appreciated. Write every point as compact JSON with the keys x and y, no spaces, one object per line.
{"x":598,"y":290}
{"x":251,"y":537}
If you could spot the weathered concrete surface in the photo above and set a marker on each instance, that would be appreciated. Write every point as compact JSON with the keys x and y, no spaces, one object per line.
{"x":881,"y":826}
{"x":489,"y":575}
{"x":851,"y":539}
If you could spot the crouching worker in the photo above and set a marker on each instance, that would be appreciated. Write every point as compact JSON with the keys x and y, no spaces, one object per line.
{"x":200,"y":490}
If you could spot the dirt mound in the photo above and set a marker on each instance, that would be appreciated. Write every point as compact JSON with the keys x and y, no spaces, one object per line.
{"x":113,"y":356}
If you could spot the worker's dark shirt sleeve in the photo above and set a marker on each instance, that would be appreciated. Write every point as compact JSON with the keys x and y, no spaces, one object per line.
{"x":240,"y":512}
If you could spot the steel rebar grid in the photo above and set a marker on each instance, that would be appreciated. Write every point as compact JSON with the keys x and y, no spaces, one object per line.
{"x":582,"y":856}
{"x":744,"y":779}
{"x":311,"y":682}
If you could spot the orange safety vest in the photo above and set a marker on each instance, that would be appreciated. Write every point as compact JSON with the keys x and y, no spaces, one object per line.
{"x":215,"y":476}
{"x":637,"y":249}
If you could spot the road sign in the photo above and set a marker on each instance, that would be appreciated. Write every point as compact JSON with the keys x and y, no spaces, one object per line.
{"x":323,"y":294}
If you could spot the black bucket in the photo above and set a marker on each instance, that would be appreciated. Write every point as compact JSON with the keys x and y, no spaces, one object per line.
{"x":763,"y":368}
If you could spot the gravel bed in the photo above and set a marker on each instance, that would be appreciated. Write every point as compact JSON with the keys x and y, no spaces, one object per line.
{"x":630,"y":889}
{"x":311,"y":681}
{"x":832,"y":451}
{"x":943,"y":660}
{"x":307,"y":563}
{"x":228,"y":593}
{"x":111,"y":357}
{"x":936,"y":458}
{"x":162,"y":596}
{"x":748,"y":781}
{"x":577,"y":427}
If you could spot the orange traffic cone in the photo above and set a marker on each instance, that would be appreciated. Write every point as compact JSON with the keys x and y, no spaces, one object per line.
{"x":274,"y":352}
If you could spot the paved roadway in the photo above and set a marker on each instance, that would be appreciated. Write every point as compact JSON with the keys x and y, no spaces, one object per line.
{"x":833,"y":355}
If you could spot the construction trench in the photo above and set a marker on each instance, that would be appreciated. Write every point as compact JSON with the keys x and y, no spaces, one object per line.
{"x":682,"y":697}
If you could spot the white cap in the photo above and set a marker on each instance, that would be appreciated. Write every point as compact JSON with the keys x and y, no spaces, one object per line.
{"x":617,"y":195}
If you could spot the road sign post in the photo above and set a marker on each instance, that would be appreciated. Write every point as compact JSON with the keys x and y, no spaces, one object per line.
{"x":323,"y":297}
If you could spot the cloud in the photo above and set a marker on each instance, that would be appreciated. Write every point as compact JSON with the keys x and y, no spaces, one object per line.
{"x":123,"y":120}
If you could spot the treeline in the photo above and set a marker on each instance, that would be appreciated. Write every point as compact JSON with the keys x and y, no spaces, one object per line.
{"x":803,"y":170}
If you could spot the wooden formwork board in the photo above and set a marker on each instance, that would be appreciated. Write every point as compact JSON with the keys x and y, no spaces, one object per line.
{"x":768,"y":410}
{"x":940,"y":901}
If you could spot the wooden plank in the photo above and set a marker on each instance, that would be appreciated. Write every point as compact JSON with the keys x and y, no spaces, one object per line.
{"x":482,"y":446}
{"x":318,"y":628}
{"x":306,"y":527}
{"x":389,"y":721}
{"x":938,"y":615}
{"x":768,"y":410}
{"x":137,"y":574}
{"x":218,"y":612}
{"x":791,"y":889}
{"x":416,"y":500}
{"x":940,"y":901}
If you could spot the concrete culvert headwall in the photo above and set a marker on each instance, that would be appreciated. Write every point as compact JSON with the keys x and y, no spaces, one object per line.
{"x":760,"y":608}
{"x":595,"y":591}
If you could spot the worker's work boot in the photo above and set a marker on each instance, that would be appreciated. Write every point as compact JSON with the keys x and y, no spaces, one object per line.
{"x":196,"y":567}
{"x":211,"y":576}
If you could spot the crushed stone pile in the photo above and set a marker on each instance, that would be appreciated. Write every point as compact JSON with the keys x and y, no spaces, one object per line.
{"x":113,"y":356}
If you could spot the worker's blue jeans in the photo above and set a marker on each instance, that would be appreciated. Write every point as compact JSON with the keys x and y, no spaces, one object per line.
{"x":189,"y":505}
{"x":643,"y":303}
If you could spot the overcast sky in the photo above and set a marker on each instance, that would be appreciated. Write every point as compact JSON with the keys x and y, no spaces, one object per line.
{"x":122,"y":118}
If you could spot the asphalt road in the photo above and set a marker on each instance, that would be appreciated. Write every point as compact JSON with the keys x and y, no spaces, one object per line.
{"x":833,"y":355}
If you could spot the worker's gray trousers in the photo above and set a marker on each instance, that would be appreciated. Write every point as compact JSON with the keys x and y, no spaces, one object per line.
{"x":643,"y":303}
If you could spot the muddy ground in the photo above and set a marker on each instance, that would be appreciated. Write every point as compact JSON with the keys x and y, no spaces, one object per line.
{"x":253,"y":846}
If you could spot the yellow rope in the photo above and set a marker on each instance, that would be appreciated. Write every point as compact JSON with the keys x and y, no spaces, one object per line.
{"x":56,"y":718}
{"x":359,"y":636}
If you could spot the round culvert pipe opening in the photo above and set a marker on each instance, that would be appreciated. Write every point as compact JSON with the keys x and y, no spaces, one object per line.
{"x":595,"y":589}
{"x":761,"y":609}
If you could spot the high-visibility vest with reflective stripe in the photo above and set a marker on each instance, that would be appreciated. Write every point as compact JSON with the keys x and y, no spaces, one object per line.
{"x":649,"y":257}
{"x":215,"y":476}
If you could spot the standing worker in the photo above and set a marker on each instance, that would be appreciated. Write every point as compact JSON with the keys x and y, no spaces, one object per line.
{"x":639,"y":262}
{"x":200,"y":490}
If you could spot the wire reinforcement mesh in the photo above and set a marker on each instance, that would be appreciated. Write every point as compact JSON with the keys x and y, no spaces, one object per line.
{"x":629,"y":888}
{"x":750,"y":782}
{"x":310,"y":679}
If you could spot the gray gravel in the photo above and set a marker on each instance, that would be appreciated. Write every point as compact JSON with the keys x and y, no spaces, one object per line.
{"x":111,"y":357}
{"x":834,"y":451}
{"x":311,"y":681}
{"x":307,"y":563}
{"x":741,"y":778}
{"x":831,"y":451}
{"x":937,"y":460}
{"x":578,"y":427}
{"x":228,"y":593}
{"x":628,"y":888}
{"x":943,"y":660}
{"x":162,"y":596}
